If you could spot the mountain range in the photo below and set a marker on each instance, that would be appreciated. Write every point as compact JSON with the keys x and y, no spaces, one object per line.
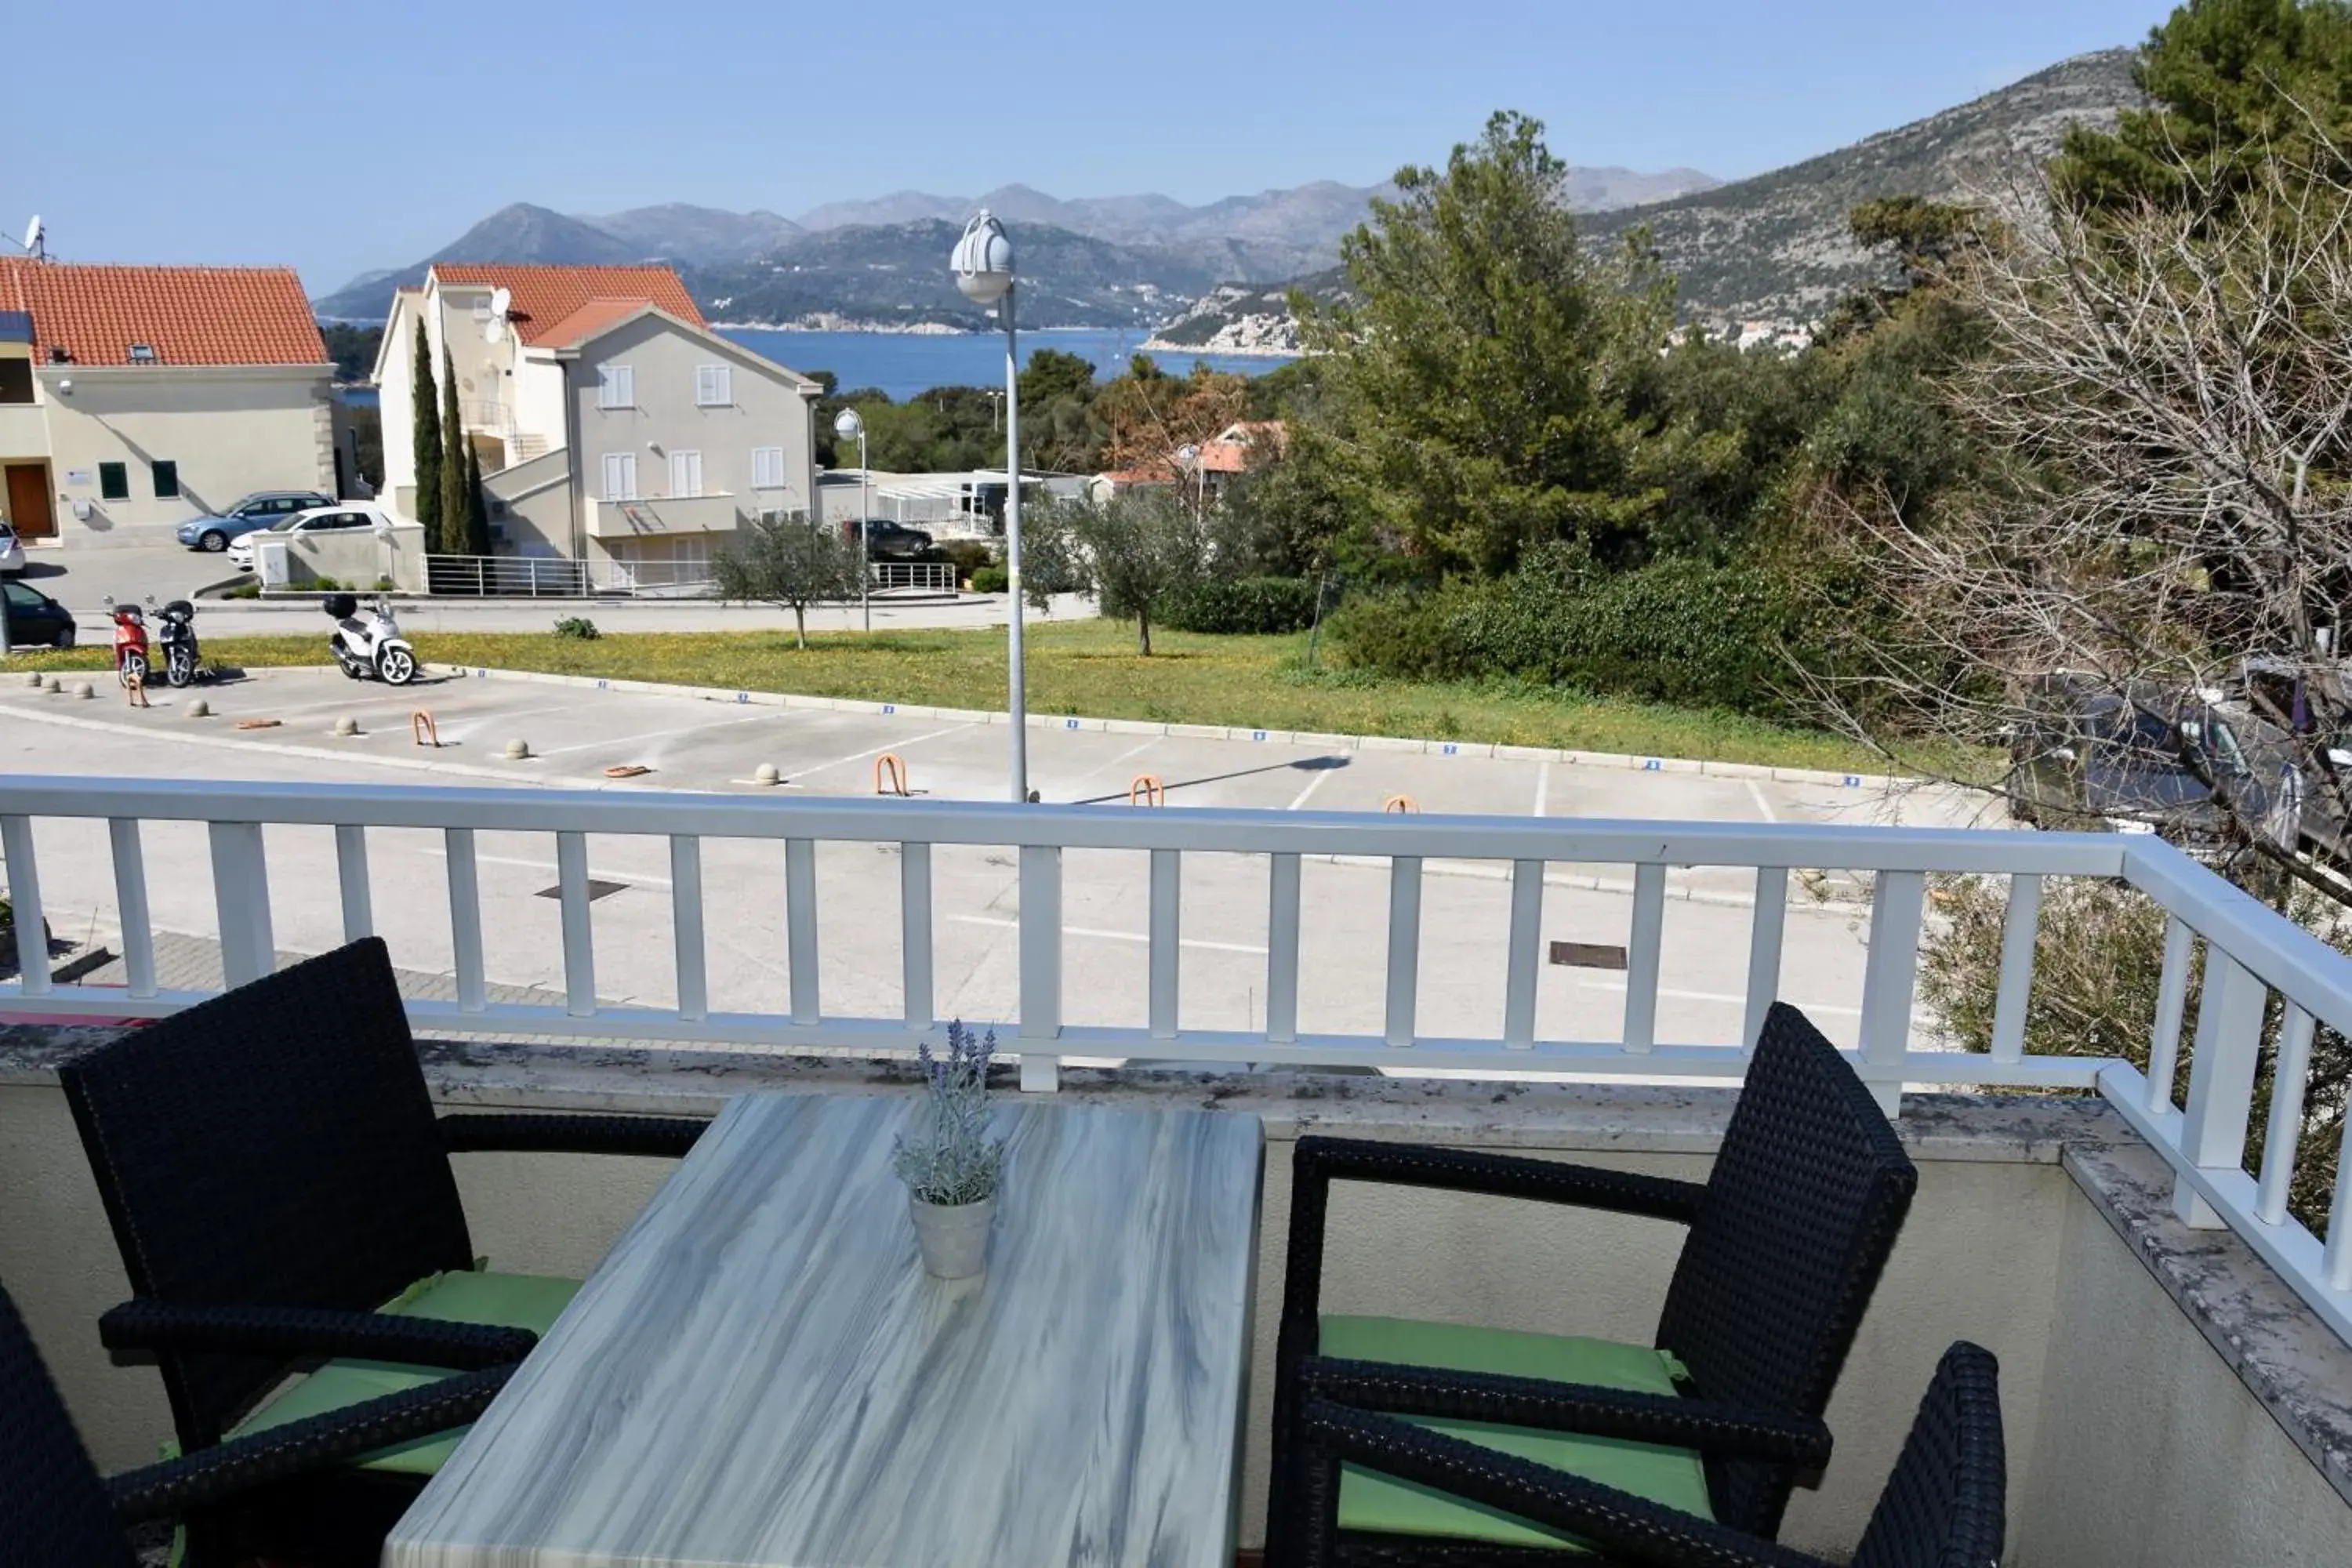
{"x":858,"y":260}
{"x":1776,"y":249}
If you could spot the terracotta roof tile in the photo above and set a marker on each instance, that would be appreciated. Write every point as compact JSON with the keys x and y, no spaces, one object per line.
{"x":585,"y":322}
{"x":546,"y":297}
{"x":187,"y":315}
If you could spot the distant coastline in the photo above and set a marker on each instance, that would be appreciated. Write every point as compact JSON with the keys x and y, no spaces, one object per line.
{"x":1221,"y":351}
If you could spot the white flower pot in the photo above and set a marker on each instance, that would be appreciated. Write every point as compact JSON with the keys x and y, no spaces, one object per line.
{"x":953,"y":1239}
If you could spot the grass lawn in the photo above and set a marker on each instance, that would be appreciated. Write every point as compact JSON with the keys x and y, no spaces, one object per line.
{"x":1091,"y":668}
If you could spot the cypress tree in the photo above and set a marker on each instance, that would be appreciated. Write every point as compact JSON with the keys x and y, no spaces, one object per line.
{"x":454,"y":447}
{"x":423,"y":401}
{"x":477,"y":505}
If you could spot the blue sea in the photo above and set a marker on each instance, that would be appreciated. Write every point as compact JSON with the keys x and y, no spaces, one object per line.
{"x":906,"y":364}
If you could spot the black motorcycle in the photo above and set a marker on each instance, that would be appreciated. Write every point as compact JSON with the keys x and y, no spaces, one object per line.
{"x":175,"y":642}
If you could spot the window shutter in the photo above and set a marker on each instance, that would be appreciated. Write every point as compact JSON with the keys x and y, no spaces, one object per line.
{"x":767,"y":468}
{"x":714,"y":385}
{"x":620,"y":475}
{"x":685,"y":474}
{"x":167,"y":479}
{"x":616,"y":387}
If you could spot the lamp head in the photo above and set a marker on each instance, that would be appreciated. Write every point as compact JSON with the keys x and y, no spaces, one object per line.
{"x":983,"y":262}
{"x":848,"y":425}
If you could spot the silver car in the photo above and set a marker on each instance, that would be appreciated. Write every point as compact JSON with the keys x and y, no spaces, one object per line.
{"x":12,"y":552}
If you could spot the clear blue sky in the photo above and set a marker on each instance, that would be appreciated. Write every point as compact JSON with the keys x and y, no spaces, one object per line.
{"x":338,"y":138}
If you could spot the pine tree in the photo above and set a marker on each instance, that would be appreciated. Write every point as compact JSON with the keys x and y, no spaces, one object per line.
{"x":423,"y":401}
{"x":477,"y":505}
{"x":453,"y":448}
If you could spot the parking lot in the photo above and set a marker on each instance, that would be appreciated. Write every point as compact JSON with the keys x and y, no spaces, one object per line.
{"x":576,"y":733}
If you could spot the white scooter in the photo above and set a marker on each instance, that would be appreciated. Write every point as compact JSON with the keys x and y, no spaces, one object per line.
{"x":369,"y":645}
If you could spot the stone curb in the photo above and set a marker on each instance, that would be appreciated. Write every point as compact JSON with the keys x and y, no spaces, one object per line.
{"x":1199,"y":731}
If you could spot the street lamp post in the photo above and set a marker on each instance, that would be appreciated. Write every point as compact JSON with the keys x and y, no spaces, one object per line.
{"x":983,"y":265}
{"x":846,"y":425}
{"x":1190,"y":457}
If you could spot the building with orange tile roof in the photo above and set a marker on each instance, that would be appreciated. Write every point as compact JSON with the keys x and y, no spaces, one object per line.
{"x":133,"y":398}
{"x":613,"y":425}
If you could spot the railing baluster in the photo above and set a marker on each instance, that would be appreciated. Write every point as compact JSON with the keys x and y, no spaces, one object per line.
{"x":2019,"y":927}
{"x":579,"y":937}
{"x":1040,"y":963}
{"x":2171,"y":1003}
{"x":1404,"y":947}
{"x":1890,"y":975}
{"x":1282,"y":949}
{"x":1167,"y":917}
{"x":800,"y":926}
{"x":25,"y":903}
{"x":1525,"y":962}
{"x":2221,"y":1079}
{"x":131,"y":906}
{"x":2336,"y":1263}
{"x":241,"y":901}
{"x":1642,"y":944}
{"x":915,"y":936}
{"x":685,"y":927}
{"x":352,"y":873}
{"x":465,"y":919}
{"x":1765,"y":933}
{"x":2285,"y":1128}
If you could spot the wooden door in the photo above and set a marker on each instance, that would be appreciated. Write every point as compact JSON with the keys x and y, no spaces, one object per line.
{"x":28,"y":500}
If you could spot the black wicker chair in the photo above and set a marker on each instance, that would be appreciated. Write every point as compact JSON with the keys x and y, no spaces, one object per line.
{"x":1786,"y":1238}
{"x":1943,"y":1506}
{"x":281,"y":1192}
{"x":58,"y":1512}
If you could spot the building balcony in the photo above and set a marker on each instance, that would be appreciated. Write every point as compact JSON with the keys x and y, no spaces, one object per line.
{"x":2175,"y":1350}
{"x":655,"y":517}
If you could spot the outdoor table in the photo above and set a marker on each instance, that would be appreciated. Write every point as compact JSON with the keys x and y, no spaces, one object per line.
{"x":761,"y":1375}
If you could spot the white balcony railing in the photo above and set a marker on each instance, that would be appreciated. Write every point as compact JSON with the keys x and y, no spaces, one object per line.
{"x":2249,"y":951}
{"x":914,"y":577}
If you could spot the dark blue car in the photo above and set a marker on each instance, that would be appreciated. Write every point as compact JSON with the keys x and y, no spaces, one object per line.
{"x":260,"y":510}
{"x":35,"y":618}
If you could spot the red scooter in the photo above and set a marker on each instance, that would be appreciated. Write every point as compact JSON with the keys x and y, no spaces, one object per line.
{"x":130,"y":642}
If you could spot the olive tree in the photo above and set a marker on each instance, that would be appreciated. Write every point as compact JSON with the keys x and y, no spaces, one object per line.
{"x":788,"y":562}
{"x":1135,"y":552}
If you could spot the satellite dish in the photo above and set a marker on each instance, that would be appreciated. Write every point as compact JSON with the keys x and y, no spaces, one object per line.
{"x":501,"y":299}
{"x":33,"y":235}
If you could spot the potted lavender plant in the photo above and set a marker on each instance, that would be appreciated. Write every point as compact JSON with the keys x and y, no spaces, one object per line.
{"x":948,"y":1163}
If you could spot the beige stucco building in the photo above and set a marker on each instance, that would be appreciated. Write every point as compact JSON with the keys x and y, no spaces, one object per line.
{"x":615,"y":426}
{"x":132,"y":399}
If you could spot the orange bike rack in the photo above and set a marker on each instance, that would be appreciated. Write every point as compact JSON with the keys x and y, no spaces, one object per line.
{"x":1148,"y":787}
{"x":1401,"y":804}
{"x":422,"y":731}
{"x":890,"y":764}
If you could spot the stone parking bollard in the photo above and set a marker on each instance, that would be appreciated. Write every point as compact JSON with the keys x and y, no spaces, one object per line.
{"x":84,"y":690}
{"x":347,"y":726}
{"x":518,"y":751}
{"x":767,"y":773}
{"x":200,"y":709}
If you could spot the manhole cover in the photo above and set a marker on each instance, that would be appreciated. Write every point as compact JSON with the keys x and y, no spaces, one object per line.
{"x":1587,"y":955}
{"x":600,"y":888}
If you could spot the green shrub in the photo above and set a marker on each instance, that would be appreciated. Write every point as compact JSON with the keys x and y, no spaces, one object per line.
{"x":1245,"y":605}
{"x":968,"y":556}
{"x":991,"y":579}
{"x":579,"y":627}
{"x":1680,"y":631}
{"x":244,"y":591}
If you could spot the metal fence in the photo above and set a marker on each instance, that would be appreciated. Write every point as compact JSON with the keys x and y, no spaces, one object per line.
{"x":2249,"y":952}
{"x":515,"y":577}
{"x":916,"y":576}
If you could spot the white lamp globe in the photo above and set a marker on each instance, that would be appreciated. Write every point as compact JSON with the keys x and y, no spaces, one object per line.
{"x":848,"y":425}
{"x":984,"y":261}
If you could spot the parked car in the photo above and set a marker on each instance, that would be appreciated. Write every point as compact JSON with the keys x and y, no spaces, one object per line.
{"x":2314,"y":697}
{"x":35,"y":618}
{"x":320,"y":520}
{"x":12,"y":551}
{"x":263,"y":509}
{"x":889,"y":541}
{"x":2090,"y":756}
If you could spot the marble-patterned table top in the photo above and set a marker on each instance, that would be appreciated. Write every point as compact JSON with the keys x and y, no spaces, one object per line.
{"x":761,"y":1376}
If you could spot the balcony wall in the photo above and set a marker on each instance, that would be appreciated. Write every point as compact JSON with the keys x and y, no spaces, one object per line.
{"x":2041,"y":1230}
{"x":664,"y":517}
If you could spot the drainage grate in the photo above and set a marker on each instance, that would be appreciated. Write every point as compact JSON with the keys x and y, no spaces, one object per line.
{"x":600,"y":888}
{"x":1587,"y":955}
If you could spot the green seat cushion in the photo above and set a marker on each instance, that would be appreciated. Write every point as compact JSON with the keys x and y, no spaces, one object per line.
{"x":1674,"y":1477}
{"x":496,"y":1300}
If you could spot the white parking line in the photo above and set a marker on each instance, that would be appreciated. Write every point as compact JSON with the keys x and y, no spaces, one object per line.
{"x":1100,"y":935}
{"x":1756,"y":793}
{"x":1303,"y":797}
{"x":1543,"y":789}
{"x":631,"y":879}
{"x":1598,"y":983}
{"x":608,"y":743}
{"x":876,"y":751}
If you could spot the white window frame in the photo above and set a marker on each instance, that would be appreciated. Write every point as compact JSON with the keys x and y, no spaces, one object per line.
{"x":685,"y":475}
{"x":616,"y":387}
{"x":714,"y":386}
{"x":768,"y":468}
{"x":628,"y":488}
